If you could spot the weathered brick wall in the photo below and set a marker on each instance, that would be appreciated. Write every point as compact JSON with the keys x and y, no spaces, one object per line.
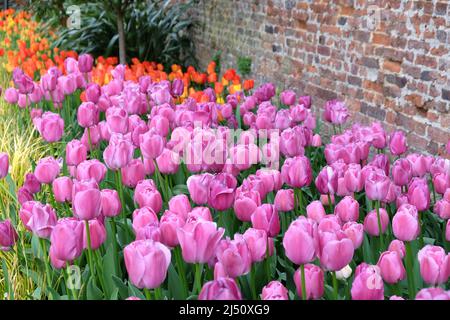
{"x":393,"y":69}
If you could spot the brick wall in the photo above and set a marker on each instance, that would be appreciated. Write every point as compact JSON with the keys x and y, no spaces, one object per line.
{"x":393,"y":67}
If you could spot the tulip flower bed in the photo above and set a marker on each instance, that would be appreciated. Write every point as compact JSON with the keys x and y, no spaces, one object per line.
{"x":151,"y":190}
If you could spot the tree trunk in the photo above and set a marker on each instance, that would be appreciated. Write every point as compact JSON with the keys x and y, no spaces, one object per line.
{"x":122,"y":45}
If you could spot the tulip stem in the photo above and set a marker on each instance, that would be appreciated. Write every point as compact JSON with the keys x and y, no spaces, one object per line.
{"x":157,"y":293}
{"x":299,"y":205}
{"x":115,"y":248}
{"x":181,"y":269}
{"x":252,"y":283}
{"x":420,"y":217}
{"x":409,"y":270}
{"x":197,"y":279}
{"x":302,"y":272}
{"x":120,"y":190}
{"x":90,"y":142}
{"x":148,"y":295}
{"x":380,"y":231}
{"x":335,"y":286}
{"x":88,"y":235}
{"x":330,"y":205}
{"x":46,"y":262}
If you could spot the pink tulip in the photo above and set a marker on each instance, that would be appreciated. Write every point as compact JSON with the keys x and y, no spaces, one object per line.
{"x":433,"y":294}
{"x":327,"y":181}
{"x":85,"y":63}
{"x":377,"y":185}
{"x":110,"y":203}
{"x":160,"y":124}
{"x":4,"y":165}
{"x":234,"y":256}
{"x":419,"y":164}
{"x":335,"y":112}
{"x":50,"y":126}
{"x":371,"y":222}
{"x":47,"y":170}
{"x":442,"y":209}
{"x":87,"y":204}
{"x":434,"y":264}
{"x":168,"y":161}
{"x":201,"y":213}
{"x":8,"y":235}
{"x":368,"y":283}
{"x":287,"y":97}
{"x":379,"y":139}
{"x":91,"y":169}
{"x":147,"y":263}
{"x":198,"y":186}
{"x":119,"y":152}
{"x":419,"y":194}
{"x":300,"y":241}
{"x":284,"y":200}
{"x":297,"y":172}
{"x":391,"y":267}
{"x":31,"y":183}
{"x":146,"y":194}
{"x":314,"y":282}
{"x":62,"y":189}
{"x":76,"y":153}
{"x":397,"y":143}
{"x":169,"y":224}
{"x":245,"y":204}
{"x":266,"y":218}
{"x":401,"y":172}
{"x":180,"y":205}
{"x":405,"y":224}
{"x":67,"y":239}
{"x":347,"y":209}
{"x":336,"y":253}
{"x":315,"y":211}
{"x":441,"y":182}
{"x":257,"y":241}
{"x":271,"y":178}
{"x":88,"y":114}
{"x":220,"y":289}
{"x":93,"y":92}
{"x":132,"y":173}
{"x":221,"y":191}
{"x":316,"y":141}
{"x":97,"y":233}
{"x":355,"y":232}
{"x":23,"y":195}
{"x":274,"y":290}
{"x":144,"y":217}
{"x":11,"y":96}
{"x":117,"y":120}
{"x":198,"y":245}
{"x":151,"y":144}
{"x":398,"y":246}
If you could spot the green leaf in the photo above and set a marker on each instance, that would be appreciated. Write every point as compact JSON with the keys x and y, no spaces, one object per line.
{"x":123,"y":289}
{"x":93,"y":292}
{"x":133,"y":291}
{"x":175,"y":284}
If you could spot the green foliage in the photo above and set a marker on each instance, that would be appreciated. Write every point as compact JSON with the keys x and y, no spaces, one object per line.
{"x":244,"y":65}
{"x":217,"y":58}
{"x":157,"y":30}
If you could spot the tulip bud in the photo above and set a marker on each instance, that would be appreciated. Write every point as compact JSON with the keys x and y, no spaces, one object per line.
{"x":87,"y":204}
{"x":405,"y":224}
{"x":47,"y":170}
{"x":146,"y":194}
{"x":284,"y":200}
{"x":67,"y":239}
{"x":371,"y":222}
{"x":8,"y":235}
{"x":434,"y":264}
{"x":300,"y":241}
{"x":62,"y":189}
{"x":110,"y":203}
{"x":220,"y":289}
{"x":266,"y":218}
{"x":368,"y":283}
{"x":315,"y":211}
{"x":147,"y":263}
{"x":314,"y":282}
{"x":397,"y":143}
{"x":391,"y":267}
{"x":4,"y":165}
{"x":347,"y":209}
{"x":97,"y":234}
{"x":133,"y":173}
{"x":274,"y":290}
